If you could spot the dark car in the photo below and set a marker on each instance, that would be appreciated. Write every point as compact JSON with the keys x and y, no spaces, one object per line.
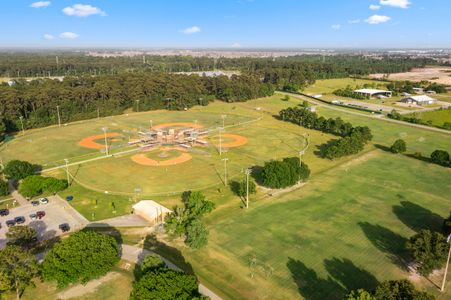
{"x":64,"y":227}
{"x":19,"y":220}
{"x":10,"y":223}
{"x":35,"y":203}
{"x":4,"y":212}
{"x":40,"y":214}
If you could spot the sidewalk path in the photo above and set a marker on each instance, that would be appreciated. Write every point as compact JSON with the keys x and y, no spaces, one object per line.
{"x":135,"y":254}
{"x":18,"y":197}
{"x":121,"y":221}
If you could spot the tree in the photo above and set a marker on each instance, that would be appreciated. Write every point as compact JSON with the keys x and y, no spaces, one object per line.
{"x":17,"y":170}
{"x":196,"y":234}
{"x":399,"y":146}
{"x":359,"y":294}
{"x":196,"y":204}
{"x":400,"y":289}
{"x":447,"y":225}
{"x":83,"y":256}
{"x":241,"y":187}
{"x":3,"y":188}
{"x":276,"y":174}
{"x":17,"y":269}
{"x":165,"y":284}
{"x":2,"y":130}
{"x":440,"y":157}
{"x":149,"y":263}
{"x":31,"y":186}
{"x":54,"y":185}
{"x":21,"y":235}
{"x":429,"y":249}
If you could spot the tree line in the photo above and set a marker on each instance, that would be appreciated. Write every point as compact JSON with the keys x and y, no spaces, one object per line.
{"x":352,"y":141}
{"x":36,"y":103}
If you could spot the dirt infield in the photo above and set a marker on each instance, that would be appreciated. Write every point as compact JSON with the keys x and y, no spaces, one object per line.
{"x":177,"y":124}
{"x":90,"y":143}
{"x":238,"y":140}
{"x":142,"y":159}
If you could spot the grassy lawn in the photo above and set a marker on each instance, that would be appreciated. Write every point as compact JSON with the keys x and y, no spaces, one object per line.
{"x":327,"y":86}
{"x":436,"y":117}
{"x":6,"y":202}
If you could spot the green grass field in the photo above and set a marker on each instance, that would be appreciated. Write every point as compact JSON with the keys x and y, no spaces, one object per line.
{"x":436,"y":117}
{"x":344,"y":229}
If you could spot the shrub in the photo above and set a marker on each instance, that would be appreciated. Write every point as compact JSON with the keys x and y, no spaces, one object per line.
{"x":3,"y":188}
{"x":399,"y":146}
{"x":400,"y":289}
{"x":35,"y":185}
{"x":196,"y":234}
{"x":440,"y":157}
{"x":83,"y":256}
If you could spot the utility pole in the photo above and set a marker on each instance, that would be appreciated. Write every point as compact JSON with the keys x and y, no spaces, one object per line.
{"x":59,"y":117}
{"x":106,"y":141}
{"x":248,"y":172}
{"x":220,"y":141}
{"x":223,"y":118}
{"x":21,"y":123}
{"x":137,"y":105}
{"x":447,"y":264}
{"x":151,"y":124}
{"x":67,"y":170}
{"x":225,"y":170}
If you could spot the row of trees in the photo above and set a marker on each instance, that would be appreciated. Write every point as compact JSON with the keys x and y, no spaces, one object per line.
{"x":390,"y":290}
{"x":283,"y":173}
{"x":35,"y":185}
{"x":187,"y":220}
{"x":413,"y":118}
{"x":84,"y":97}
{"x":353,"y":138}
{"x":349,"y":93}
{"x":407,"y":86}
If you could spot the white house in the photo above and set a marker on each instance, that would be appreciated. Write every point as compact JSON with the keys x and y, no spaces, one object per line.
{"x":418,"y":100}
{"x":374,"y":93}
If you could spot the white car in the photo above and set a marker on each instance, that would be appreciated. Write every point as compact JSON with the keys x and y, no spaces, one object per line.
{"x":33,"y":216}
{"x":43,"y":200}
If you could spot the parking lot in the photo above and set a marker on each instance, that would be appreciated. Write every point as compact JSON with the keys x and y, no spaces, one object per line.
{"x":57,"y":212}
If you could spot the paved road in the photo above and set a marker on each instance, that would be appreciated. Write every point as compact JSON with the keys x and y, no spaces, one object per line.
{"x":376,"y":117}
{"x":135,"y":254}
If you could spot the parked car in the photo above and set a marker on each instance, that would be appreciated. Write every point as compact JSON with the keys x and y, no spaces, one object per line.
{"x":19,"y":220}
{"x":33,"y":217}
{"x":4,"y":212}
{"x":35,"y":203}
{"x":43,"y":200}
{"x":40,"y":214}
{"x":10,"y":223}
{"x":64,"y":227}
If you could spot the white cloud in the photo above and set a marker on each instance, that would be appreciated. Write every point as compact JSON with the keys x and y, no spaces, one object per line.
{"x":68,"y":35}
{"x":48,"y":37}
{"x":354,"y":21}
{"x":374,"y":7}
{"x":395,"y":3}
{"x":377,"y":19}
{"x":191,"y":30}
{"x":40,"y":4}
{"x":83,"y":10}
{"x":236,"y":45}
{"x":336,"y":27}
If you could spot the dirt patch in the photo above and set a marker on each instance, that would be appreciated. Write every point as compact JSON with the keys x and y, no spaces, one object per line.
{"x":142,"y":159}
{"x":90,"y":143}
{"x":80,"y":290}
{"x":433,"y":74}
{"x":177,"y":124}
{"x":238,"y":140}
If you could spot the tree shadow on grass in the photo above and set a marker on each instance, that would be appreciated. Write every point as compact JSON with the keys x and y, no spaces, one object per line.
{"x":312,"y":287}
{"x":417,"y":217}
{"x":349,"y":275}
{"x":172,"y":254}
{"x":257,"y":174}
{"x":383,"y":148}
{"x":387,"y":241}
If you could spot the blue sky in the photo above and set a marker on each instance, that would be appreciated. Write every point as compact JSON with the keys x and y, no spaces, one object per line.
{"x":226,"y":23}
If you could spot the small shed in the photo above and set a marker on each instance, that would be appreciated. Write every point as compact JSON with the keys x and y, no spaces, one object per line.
{"x":151,"y":211}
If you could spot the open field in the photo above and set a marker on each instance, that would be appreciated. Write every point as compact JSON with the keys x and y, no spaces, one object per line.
{"x":435,"y":117}
{"x":434,"y":74}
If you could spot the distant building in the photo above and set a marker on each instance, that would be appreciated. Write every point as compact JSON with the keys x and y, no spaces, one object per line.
{"x":374,"y":93}
{"x":405,"y":94}
{"x":418,"y":100}
{"x":431,"y":92}
{"x":418,"y":90}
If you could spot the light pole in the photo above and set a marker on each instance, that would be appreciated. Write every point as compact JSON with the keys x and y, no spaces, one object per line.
{"x":220,"y":141}
{"x":225,"y":170}
{"x":448,"y":239}
{"x":59,"y":117}
{"x":67,"y":170}
{"x":21,"y":123}
{"x":223,"y":120}
{"x":248,"y":172}
{"x":106,"y":142}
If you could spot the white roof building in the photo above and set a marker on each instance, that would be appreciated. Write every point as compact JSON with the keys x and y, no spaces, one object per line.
{"x":374,"y":92}
{"x":151,"y":211}
{"x":418,"y":100}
